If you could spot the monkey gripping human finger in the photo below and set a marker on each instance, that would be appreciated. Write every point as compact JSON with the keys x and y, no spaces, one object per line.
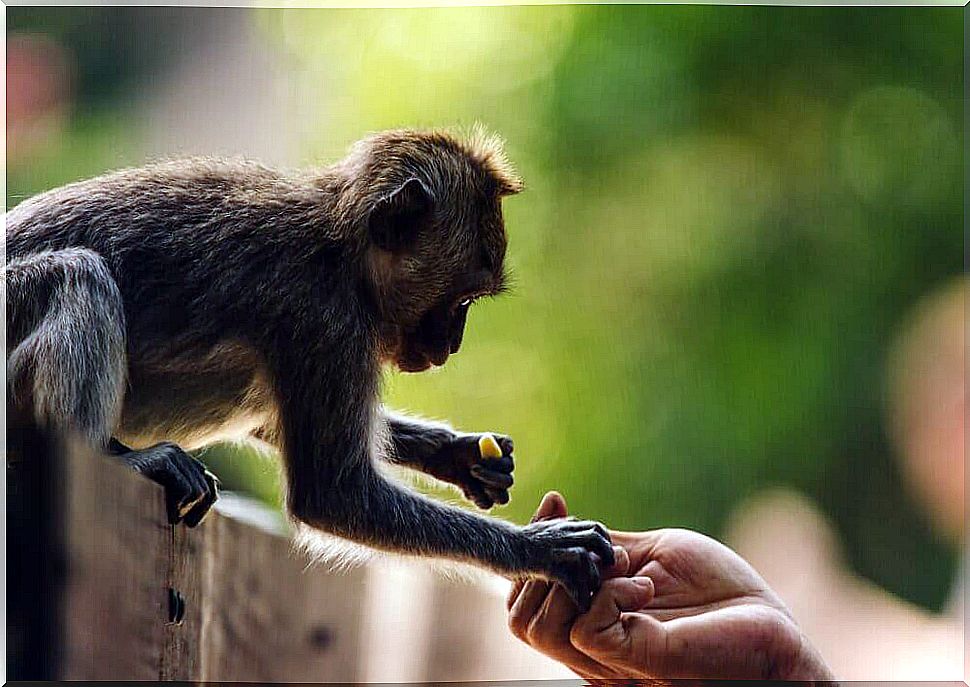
{"x":571,"y":552}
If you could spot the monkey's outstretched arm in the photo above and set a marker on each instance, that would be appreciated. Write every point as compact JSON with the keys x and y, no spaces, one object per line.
{"x":367,"y":508}
{"x":334,"y":485}
{"x":436,"y":449}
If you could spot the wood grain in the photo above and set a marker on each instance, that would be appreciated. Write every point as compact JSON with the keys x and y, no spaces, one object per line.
{"x":254,"y":610}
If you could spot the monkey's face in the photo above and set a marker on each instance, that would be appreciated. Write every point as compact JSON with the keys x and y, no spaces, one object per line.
{"x":452,"y":254}
{"x":435,"y":236}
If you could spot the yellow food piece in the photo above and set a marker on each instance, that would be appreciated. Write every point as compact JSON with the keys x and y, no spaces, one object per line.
{"x":488,"y":447}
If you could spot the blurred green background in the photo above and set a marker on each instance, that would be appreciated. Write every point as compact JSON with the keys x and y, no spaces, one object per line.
{"x":729,"y":212}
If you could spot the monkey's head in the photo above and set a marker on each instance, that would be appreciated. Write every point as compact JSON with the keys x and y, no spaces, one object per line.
{"x":435,"y":237}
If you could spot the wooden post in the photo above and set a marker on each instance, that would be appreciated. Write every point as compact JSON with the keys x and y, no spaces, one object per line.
{"x":103,"y":588}
{"x":138,"y":599}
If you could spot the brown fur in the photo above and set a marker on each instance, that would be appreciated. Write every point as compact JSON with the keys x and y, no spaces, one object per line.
{"x":199,"y":299}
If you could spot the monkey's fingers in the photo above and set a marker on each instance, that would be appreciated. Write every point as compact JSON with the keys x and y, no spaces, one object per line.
{"x":156,"y":464}
{"x":495,"y":484}
{"x":198,"y":485}
{"x":202,"y":507}
{"x":579,"y":576}
{"x":492,"y":478}
{"x":490,"y":447}
{"x":182,"y":476}
{"x":499,"y":496}
{"x":504,"y":464}
{"x":479,"y":496}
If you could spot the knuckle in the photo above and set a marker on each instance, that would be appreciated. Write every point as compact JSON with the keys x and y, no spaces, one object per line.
{"x":537,"y":631}
{"x":516,"y":626}
{"x":581,"y":634}
{"x":531,"y":632}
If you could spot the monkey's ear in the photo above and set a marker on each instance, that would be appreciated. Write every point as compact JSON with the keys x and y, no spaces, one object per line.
{"x":396,"y":219}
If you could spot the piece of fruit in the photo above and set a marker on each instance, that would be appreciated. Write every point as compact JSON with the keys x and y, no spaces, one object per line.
{"x":488,"y":447}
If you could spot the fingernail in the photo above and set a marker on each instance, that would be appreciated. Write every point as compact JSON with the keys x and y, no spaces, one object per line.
{"x":644,"y":582}
{"x":621,"y":561}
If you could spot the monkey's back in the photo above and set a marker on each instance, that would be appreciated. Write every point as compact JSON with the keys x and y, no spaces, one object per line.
{"x":199,"y":249}
{"x":192,"y":243}
{"x":122,"y":210}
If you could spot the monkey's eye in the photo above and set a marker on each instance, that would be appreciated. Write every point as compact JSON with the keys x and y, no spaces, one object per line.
{"x":469,"y":300}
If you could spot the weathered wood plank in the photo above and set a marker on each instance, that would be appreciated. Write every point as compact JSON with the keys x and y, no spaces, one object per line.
{"x":251,"y":607}
{"x":185,"y":592}
{"x":269,"y":618}
{"x":117,"y":559}
{"x":252,"y":610}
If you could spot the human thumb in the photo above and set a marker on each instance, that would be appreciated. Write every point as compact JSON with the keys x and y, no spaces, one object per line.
{"x":553,"y":505}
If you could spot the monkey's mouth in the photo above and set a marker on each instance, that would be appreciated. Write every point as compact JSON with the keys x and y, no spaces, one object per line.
{"x":419,"y":361}
{"x":413,"y":366}
{"x":436,"y":336}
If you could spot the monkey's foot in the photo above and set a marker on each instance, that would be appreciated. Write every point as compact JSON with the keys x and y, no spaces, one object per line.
{"x":570,"y":552}
{"x":190,"y":489}
{"x":484,"y":481}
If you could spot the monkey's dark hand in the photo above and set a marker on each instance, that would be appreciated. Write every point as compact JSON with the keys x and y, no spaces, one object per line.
{"x":484,"y":481}
{"x":570,"y":552}
{"x":190,"y":489}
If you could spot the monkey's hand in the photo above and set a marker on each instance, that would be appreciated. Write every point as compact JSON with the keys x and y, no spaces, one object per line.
{"x":571,"y":552}
{"x":190,"y":489}
{"x":484,"y":481}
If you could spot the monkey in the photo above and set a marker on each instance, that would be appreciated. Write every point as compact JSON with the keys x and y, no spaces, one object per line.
{"x":155,"y":310}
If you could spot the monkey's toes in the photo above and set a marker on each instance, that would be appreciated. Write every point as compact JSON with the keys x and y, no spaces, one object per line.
{"x":190,"y":489}
{"x":197,"y":512}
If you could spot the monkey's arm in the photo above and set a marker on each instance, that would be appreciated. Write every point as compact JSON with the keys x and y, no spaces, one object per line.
{"x":326,"y":411}
{"x":436,"y":449}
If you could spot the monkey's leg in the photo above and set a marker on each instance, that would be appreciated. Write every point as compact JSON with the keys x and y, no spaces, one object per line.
{"x":65,"y":341}
{"x":453,"y":457}
{"x":66,"y":365}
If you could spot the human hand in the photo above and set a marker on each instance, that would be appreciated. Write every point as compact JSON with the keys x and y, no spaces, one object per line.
{"x":679,"y":605}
